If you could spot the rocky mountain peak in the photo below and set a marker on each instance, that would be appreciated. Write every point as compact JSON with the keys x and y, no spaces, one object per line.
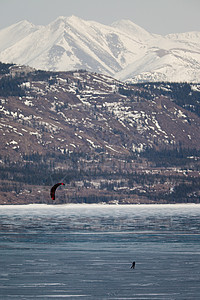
{"x":123,"y":50}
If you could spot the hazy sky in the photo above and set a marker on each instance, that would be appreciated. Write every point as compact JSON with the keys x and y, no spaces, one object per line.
{"x":156,"y":16}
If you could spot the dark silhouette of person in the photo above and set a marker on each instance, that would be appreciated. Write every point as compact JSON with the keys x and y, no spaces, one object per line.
{"x":133,"y":265}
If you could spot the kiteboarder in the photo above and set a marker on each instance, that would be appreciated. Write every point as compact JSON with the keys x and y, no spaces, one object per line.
{"x":133,"y":265}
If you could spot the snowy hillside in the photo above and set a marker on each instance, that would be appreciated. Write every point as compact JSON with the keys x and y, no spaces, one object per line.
{"x":117,"y":143}
{"x":123,"y":50}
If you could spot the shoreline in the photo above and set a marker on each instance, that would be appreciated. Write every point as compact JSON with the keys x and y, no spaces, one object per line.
{"x":97,"y":205}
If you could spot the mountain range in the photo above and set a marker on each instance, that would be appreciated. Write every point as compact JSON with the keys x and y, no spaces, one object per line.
{"x":122,"y":50}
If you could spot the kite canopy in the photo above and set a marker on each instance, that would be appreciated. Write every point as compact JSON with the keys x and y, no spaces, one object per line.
{"x":53,"y":189}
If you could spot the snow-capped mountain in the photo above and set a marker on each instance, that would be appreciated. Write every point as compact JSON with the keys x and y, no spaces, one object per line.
{"x":123,"y":50}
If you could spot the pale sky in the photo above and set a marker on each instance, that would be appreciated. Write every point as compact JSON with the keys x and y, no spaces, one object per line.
{"x":156,"y":16}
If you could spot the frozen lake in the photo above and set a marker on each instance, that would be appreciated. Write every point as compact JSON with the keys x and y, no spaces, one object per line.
{"x":86,"y":251}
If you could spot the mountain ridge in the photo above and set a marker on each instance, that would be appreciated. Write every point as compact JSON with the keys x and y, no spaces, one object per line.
{"x":111,"y":141}
{"x":120,"y":50}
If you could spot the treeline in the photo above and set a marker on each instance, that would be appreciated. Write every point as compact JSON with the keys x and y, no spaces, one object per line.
{"x":185,"y":191}
{"x":171,"y":157}
{"x":4,"y":68}
{"x":11,"y":187}
{"x":35,"y":174}
{"x":16,"y":176}
{"x":135,"y":94}
{"x":183,"y":94}
{"x":39,"y":169}
{"x":40,"y":75}
{"x":10,"y":86}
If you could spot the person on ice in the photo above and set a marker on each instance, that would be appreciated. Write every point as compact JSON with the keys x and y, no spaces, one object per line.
{"x":133,"y":265}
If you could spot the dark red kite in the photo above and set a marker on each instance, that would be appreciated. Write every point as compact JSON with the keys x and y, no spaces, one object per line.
{"x":53,"y":189}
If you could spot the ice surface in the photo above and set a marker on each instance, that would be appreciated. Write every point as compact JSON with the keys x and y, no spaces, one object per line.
{"x":86,"y":251}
